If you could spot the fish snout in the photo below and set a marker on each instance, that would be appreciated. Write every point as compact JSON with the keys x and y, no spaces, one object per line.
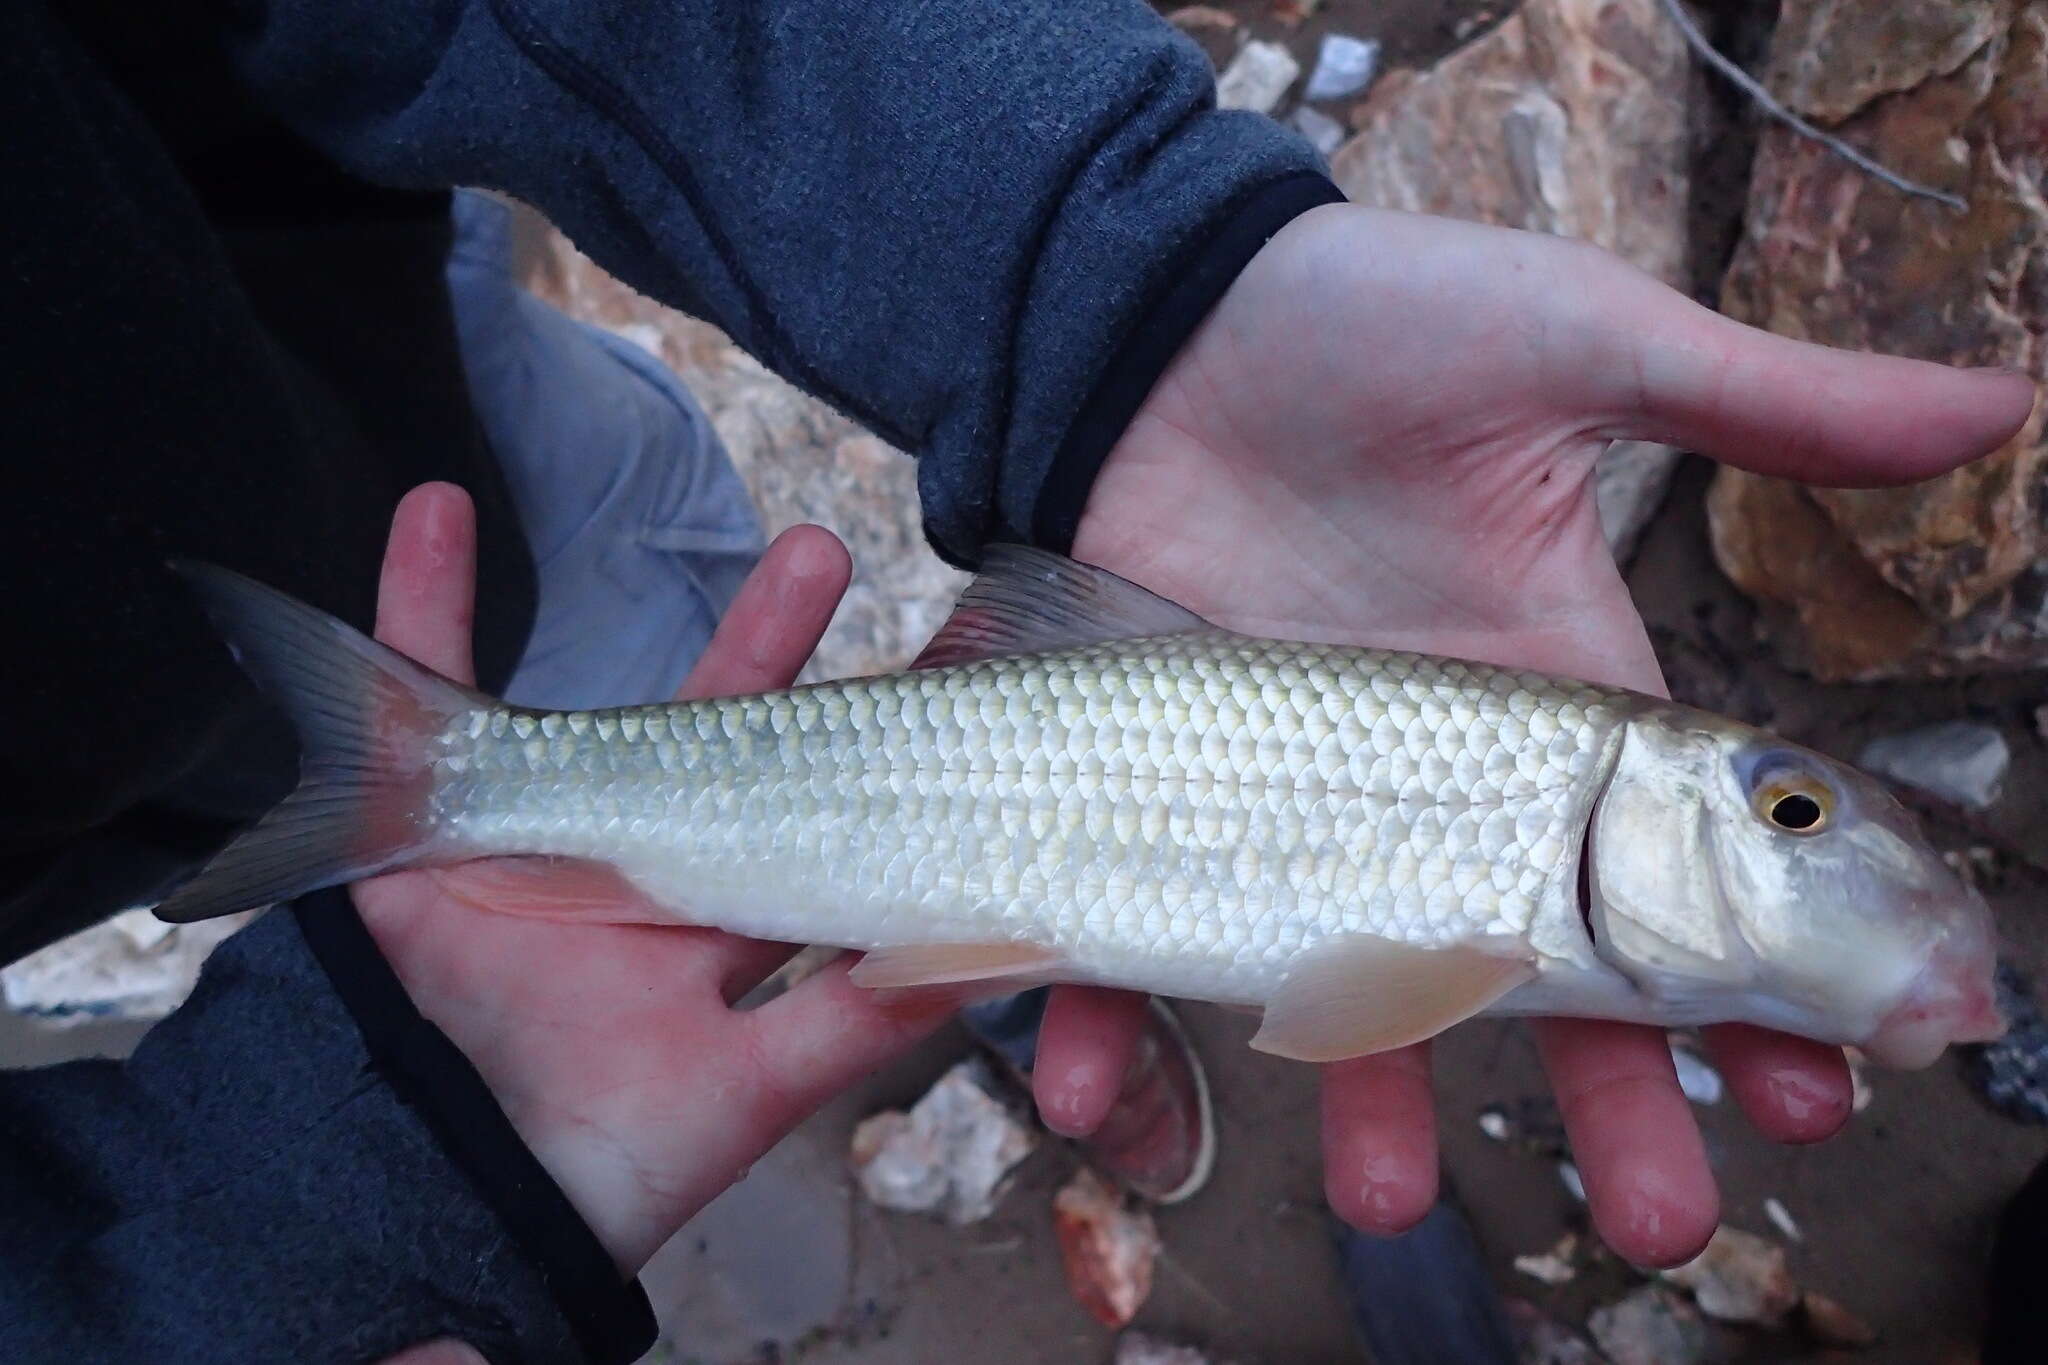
{"x":1952,"y":1000}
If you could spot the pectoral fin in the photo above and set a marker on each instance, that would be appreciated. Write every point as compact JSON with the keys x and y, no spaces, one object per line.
{"x":1359,"y":994}
{"x":942,"y":964}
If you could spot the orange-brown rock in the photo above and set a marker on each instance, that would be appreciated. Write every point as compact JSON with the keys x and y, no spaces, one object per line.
{"x":1944,"y":577}
{"x":1568,"y":118}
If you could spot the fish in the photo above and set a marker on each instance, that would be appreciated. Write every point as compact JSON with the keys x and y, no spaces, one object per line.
{"x":1081,"y":781}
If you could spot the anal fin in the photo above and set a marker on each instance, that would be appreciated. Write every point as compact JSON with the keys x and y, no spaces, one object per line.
{"x":534,"y":887}
{"x":1358,"y":994}
{"x":941,"y":964}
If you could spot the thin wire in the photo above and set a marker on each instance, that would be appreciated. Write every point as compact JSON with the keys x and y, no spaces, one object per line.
{"x":1748,"y":84}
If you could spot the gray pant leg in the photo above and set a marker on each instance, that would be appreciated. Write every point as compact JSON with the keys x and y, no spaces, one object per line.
{"x":640,"y":528}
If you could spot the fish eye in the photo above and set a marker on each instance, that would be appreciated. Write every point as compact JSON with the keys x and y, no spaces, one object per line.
{"x":1796,"y":803}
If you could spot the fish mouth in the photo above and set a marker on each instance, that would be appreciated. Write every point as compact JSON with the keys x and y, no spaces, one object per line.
{"x":1951,"y":1000}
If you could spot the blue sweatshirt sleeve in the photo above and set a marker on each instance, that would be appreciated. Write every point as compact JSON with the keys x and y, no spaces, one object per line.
{"x":294,"y":1167}
{"x":981,"y":230}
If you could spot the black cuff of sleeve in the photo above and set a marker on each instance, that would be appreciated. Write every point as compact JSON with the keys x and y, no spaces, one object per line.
{"x":611,"y":1318}
{"x":1209,"y":266}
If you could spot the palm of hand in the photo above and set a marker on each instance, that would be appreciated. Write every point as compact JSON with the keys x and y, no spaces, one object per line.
{"x":1318,"y":552}
{"x":1414,"y":470}
{"x":612,"y":1047}
{"x":1385,"y":434}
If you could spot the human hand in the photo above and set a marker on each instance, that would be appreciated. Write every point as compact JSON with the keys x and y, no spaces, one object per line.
{"x":1385,"y":432}
{"x":613,"y":1048}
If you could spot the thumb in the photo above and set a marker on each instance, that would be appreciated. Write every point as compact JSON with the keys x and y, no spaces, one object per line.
{"x":1800,"y":411}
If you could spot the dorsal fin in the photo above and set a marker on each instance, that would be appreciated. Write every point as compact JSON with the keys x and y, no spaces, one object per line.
{"x":1027,"y":601}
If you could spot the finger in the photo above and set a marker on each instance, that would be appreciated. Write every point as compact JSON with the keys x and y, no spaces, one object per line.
{"x":777,"y":618}
{"x":1633,"y":1136}
{"x":822,"y":1036}
{"x":1793,"y":1089}
{"x":1085,"y":1046}
{"x":1379,"y":1140}
{"x":426,"y":595}
{"x":1801,"y":411}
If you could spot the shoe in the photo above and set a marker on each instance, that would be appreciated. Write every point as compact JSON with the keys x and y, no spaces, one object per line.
{"x":1159,"y":1138}
{"x":1426,"y":1296}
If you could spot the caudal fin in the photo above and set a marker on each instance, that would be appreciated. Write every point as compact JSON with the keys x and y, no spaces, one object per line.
{"x":367,"y":719}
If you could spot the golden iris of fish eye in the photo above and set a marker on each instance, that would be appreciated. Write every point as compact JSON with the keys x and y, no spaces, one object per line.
{"x":1795,"y":803}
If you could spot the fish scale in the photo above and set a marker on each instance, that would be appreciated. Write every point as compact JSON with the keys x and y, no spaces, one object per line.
{"x":1183,"y":814}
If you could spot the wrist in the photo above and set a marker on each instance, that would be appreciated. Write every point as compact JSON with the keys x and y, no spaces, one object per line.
{"x":1207,"y":272}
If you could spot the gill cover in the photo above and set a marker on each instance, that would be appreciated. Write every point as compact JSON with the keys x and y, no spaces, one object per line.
{"x":1657,"y":913}
{"x":1735,"y":877}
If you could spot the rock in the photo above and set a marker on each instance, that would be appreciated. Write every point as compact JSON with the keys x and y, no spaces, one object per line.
{"x":1542,"y":1340}
{"x":1629,"y":485}
{"x":1979,"y":866}
{"x":1569,"y":118}
{"x":1959,"y":761}
{"x":1324,"y":133}
{"x":133,"y":966}
{"x":1944,"y":577}
{"x":1903,"y":45}
{"x":1257,"y":77}
{"x":951,"y":1154}
{"x":1830,"y":1324}
{"x":1108,"y":1246}
{"x":1493,"y":1121}
{"x":1200,"y":18}
{"x":1651,"y":1326}
{"x":1344,"y":67}
{"x":1555,"y":1266}
{"x":1860,"y":1093}
{"x":1781,"y":1219}
{"x":1740,"y":1277}
{"x":1547,"y":1269}
{"x":1140,"y":1348}
{"x":2012,"y":1072}
{"x":1700,"y":1082}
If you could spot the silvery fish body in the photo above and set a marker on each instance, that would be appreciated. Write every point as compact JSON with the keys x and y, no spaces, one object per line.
{"x":1367,"y":845}
{"x":1185,"y":814}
